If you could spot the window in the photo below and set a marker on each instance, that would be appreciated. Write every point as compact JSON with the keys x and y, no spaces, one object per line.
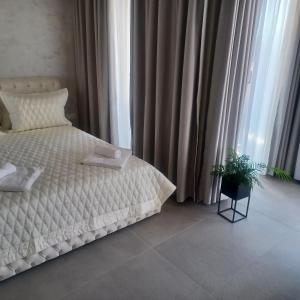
{"x":119,"y":59}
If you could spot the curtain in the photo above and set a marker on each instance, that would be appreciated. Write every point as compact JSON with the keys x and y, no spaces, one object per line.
{"x":189,"y":63}
{"x":102,"y":59}
{"x":92,"y":67}
{"x":286,"y":135}
{"x":268,"y":85}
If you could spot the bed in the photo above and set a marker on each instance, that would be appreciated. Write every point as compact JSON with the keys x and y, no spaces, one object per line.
{"x":70,"y":204}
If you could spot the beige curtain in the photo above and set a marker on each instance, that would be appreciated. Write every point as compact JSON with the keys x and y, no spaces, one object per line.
{"x":92,"y":67}
{"x":189,"y":63}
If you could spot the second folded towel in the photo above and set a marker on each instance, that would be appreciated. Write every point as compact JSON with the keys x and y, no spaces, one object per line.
{"x":108,"y":151}
{"x":113,"y":163}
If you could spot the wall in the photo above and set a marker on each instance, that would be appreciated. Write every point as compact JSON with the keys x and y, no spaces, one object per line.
{"x":36,"y":38}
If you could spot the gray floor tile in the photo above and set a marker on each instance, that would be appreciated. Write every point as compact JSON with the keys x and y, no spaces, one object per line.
{"x":161,"y":227}
{"x":213,"y":250}
{"x":200,"y":252}
{"x":286,"y":252}
{"x":279,"y":201}
{"x":258,"y":234}
{"x":148,"y":276}
{"x":55,"y":278}
{"x":265,"y":279}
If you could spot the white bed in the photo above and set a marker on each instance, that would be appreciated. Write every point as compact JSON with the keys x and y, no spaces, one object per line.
{"x":70,"y":204}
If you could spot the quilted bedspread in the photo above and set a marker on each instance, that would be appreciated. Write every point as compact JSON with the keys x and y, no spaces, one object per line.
{"x":69,"y":198}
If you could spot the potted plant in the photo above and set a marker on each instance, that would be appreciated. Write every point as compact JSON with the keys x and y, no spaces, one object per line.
{"x":240,"y":174}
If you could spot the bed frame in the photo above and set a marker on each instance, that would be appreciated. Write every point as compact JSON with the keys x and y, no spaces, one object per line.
{"x":30,"y":84}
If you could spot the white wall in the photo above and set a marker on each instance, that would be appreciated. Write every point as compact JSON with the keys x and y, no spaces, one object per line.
{"x":36,"y":38}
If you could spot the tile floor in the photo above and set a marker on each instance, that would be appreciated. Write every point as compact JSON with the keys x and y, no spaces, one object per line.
{"x":186,"y":252}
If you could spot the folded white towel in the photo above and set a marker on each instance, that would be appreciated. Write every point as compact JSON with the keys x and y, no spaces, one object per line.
{"x":6,"y":169}
{"x":20,"y":181}
{"x":113,"y":163}
{"x":108,"y":151}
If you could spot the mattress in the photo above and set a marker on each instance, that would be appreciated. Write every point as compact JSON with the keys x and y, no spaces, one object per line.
{"x":70,"y":204}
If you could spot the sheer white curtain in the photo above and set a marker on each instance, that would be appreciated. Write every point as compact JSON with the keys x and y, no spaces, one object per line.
{"x":119,"y":60}
{"x":272,"y":60}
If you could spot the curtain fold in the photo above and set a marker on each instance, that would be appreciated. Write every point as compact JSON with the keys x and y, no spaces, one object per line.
{"x":189,"y":65}
{"x":92,"y":67}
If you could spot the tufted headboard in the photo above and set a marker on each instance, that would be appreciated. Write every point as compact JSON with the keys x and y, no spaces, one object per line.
{"x":30,"y":84}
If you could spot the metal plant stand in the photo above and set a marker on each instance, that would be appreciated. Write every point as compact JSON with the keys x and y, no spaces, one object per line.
{"x":234,"y":210}
{"x":235,"y":194}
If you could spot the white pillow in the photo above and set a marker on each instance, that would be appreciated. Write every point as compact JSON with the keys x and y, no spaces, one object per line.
{"x":32,"y":111}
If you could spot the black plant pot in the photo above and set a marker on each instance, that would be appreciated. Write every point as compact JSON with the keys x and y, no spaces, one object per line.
{"x":235,"y":192}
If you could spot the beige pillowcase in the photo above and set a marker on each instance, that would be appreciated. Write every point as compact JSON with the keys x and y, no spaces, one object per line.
{"x":32,"y":111}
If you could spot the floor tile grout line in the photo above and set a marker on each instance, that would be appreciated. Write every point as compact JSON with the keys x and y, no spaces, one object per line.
{"x":172,"y":235}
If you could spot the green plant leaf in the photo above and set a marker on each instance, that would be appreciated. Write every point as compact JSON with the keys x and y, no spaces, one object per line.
{"x":281,"y":174}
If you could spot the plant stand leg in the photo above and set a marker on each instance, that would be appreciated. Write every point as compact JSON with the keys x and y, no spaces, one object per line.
{"x":219,"y":202}
{"x":248,"y":205}
{"x":234,"y":210}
